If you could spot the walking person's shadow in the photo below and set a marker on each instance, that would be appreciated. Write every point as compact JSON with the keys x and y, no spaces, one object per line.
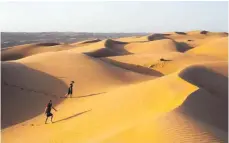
{"x":89,"y":95}
{"x":85,"y":95}
{"x":75,"y":115}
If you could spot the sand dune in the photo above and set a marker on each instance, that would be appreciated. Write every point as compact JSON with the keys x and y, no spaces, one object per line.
{"x":189,"y":39}
{"x":217,"y":48}
{"x":22,"y":51}
{"x":157,"y":36}
{"x":151,"y":47}
{"x":157,"y":46}
{"x":195,"y":38}
{"x":202,"y":117}
{"x":84,"y":69}
{"x":108,"y":119}
{"x":164,"y":63}
{"x":132,"y":89}
{"x":207,"y":79}
{"x":25,"y":91}
{"x":164,"y":56}
{"x":125,"y":121}
{"x":133,"y":67}
{"x":98,"y":48}
{"x":103,"y":48}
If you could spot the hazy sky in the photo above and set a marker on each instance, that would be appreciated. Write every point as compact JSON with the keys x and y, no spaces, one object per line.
{"x":114,"y":16}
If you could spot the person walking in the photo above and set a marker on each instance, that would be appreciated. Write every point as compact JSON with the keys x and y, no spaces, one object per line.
{"x":70,"y":89}
{"x":48,"y":113}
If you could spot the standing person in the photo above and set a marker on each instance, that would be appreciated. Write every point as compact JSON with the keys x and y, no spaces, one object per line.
{"x":48,"y":113}
{"x":70,"y":89}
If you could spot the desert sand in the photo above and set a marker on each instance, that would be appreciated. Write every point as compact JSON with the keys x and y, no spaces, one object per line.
{"x":159,"y":88}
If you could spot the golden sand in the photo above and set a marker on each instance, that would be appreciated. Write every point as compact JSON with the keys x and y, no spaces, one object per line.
{"x":149,"y":89}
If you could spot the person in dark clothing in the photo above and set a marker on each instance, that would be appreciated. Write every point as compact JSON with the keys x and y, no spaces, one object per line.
{"x":70,"y":89}
{"x":48,"y":113}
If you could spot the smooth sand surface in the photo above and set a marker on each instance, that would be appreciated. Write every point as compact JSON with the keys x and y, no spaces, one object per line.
{"x":22,"y":51}
{"x":154,"y":88}
{"x":217,"y":48}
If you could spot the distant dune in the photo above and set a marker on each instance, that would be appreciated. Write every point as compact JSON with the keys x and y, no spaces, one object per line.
{"x":9,"y":39}
{"x":155,"y":88}
{"x":22,"y":51}
{"x":103,"y":48}
{"x":217,"y":48}
{"x":165,"y":45}
{"x":82,"y":43}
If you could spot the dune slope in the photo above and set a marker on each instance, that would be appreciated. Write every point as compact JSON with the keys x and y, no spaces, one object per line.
{"x":103,"y":48}
{"x":217,"y":48}
{"x":34,"y":80}
{"x":165,"y":45}
{"x":22,"y":51}
{"x":25,"y":91}
{"x":138,"y":112}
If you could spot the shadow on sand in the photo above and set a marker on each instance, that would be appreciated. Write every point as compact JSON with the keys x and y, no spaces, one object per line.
{"x":134,"y":68}
{"x":89,"y":95}
{"x":75,"y":115}
{"x":85,"y":95}
{"x":25,"y":92}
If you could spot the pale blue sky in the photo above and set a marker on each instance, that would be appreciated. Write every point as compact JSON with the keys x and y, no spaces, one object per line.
{"x":114,"y":16}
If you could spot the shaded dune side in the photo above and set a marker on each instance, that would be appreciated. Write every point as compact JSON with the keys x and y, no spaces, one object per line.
{"x":209,"y":103}
{"x":204,"y":32}
{"x":218,"y":67}
{"x":181,"y":33}
{"x":16,"y":52}
{"x":111,"y":48}
{"x":90,"y":41}
{"x":133,"y":67}
{"x":157,"y":36}
{"x":111,"y":43}
{"x":180,"y":46}
{"x":25,"y":92}
{"x":205,"y":78}
{"x":47,"y":44}
{"x":206,"y":108}
{"x":105,"y":52}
